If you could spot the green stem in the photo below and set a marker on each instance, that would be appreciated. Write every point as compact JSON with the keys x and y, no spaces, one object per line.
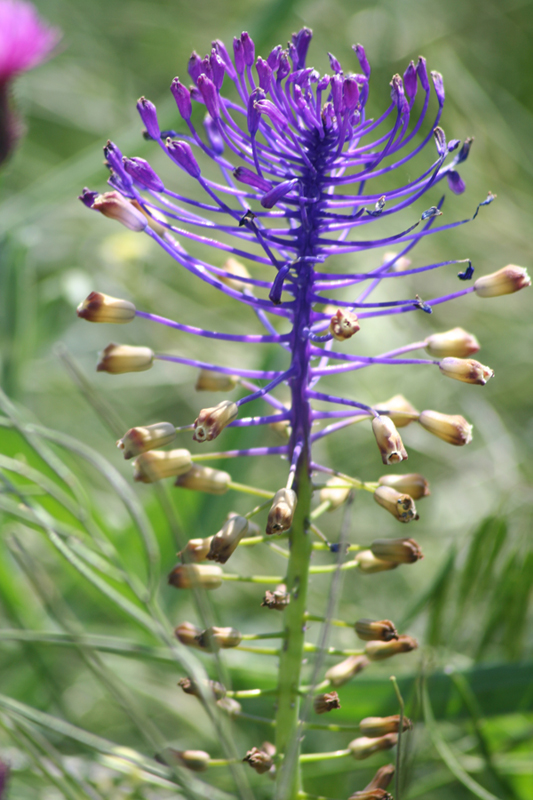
{"x":310,"y":758}
{"x":339,"y":623}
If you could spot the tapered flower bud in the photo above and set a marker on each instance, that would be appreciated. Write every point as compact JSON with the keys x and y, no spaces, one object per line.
{"x":368,"y":563}
{"x":399,"y":410}
{"x":343,"y":325}
{"x":187,"y":634}
{"x":377,"y":651}
{"x":209,"y":381}
{"x":401,"y":506}
{"x":155,"y":465}
{"x":140,"y":440}
{"x":115,"y":206}
{"x":452,"y":428}
{"x":119,"y":358}
{"x":230,"y":706}
{"x":323,"y":703}
{"x":215,"y":638}
{"x":382,"y":630}
{"x":190,"y":686}
{"x":389,"y":440}
{"x":411,"y":483}
{"x":380,"y":726}
{"x":399,"y":551}
{"x":278,"y":599}
{"x":195,"y":760}
{"x":507,"y":280}
{"x":456,"y":342}
{"x":205,"y":479}
{"x":225,"y":542}
{"x":259,"y":759}
{"x":335,"y":493}
{"x":281,"y":511}
{"x":344,"y":671}
{"x":188,"y":576}
{"x":98,"y":307}
{"x":211,"y":421}
{"x":364,"y":746}
{"x":195,"y":550}
{"x":236,"y":270}
{"x":466,"y":370}
{"x":382,"y":778}
{"x":281,"y":428}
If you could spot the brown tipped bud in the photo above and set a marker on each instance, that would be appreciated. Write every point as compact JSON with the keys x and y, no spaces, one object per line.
{"x":190,"y":686}
{"x":205,"y":479}
{"x":114,"y":206}
{"x":343,"y":325}
{"x":225,"y":542}
{"x":187,"y":576}
{"x":399,"y":505}
{"x":278,"y":600}
{"x":281,"y":511}
{"x":235,"y":268}
{"x":187,"y":634}
{"x":400,"y":265}
{"x":389,"y":441}
{"x":98,"y":307}
{"x":260,"y":760}
{"x":281,"y":428}
{"x":230,"y":706}
{"x":119,"y":358}
{"x":215,"y":638}
{"x":253,"y":529}
{"x":140,"y":440}
{"x":371,"y":794}
{"x":456,"y":342}
{"x":364,"y":746}
{"x":379,"y":726}
{"x":195,"y":760}
{"x":323,"y":703}
{"x":398,"y":551}
{"x":383,"y":630}
{"x":368,"y":563}
{"x":452,"y":428}
{"x":335,"y":492}
{"x":377,"y":651}
{"x":411,"y":483}
{"x":399,"y":410}
{"x":210,"y":422}
{"x":382,"y":778}
{"x":195,"y":550}
{"x":344,"y":671}
{"x":158,"y":464}
{"x":466,"y":370}
{"x":209,"y":381}
{"x":507,"y":280}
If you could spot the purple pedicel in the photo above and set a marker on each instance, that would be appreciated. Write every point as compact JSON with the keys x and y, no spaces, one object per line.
{"x":301,"y":177}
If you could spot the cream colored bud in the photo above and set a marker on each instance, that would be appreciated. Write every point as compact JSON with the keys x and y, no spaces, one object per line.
{"x":389,"y":440}
{"x":322,"y":703}
{"x":371,"y":794}
{"x":119,"y":358}
{"x":382,"y":778}
{"x":235,"y":268}
{"x":187,"y":634}
{"x":399,"y":551}
{"x":155,"y":465}
{"x":456,"y":342}
{"x":335,"y":492}
{"x":140,"y":440}
{"x":98,"y":307}
{"x":225,"y":542}
{"x":343,"y":325}
{"x":211,"y":421}
{"x":281,"y":511}
{"x":401,"y":506}
{"x":368,"y":563}
{"x":380,"y":726}
{"x":190,"y":686}
{"x":281,"y":428}
{"x":277,"y":600}
{"x":230,"y":706}
{"x":155,"y":219}
{"x":260,"y":760}
{"x":195,"y":760}
{"x":382,"y":629}
{"x":400,"y":265}
{"x":195,"y":550}
{"x":210,"y":381}
{"x":364,"y":746}
{"x":114,"y":206}
{"x":399,"y":410}
{"x":507,"y":280}
{"x":411,"y":483}
{"x":253,"y":529}
{"x":466,"y":370}
{"x":215,"y":638}
{"x":189,"y":576}
{"x":205,"y":479}
{"x":345,"y":670}
{"x":452,"y":428}
{"x":378,"y":651}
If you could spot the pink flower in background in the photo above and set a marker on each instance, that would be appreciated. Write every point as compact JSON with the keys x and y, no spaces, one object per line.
{"x":25,"y":39}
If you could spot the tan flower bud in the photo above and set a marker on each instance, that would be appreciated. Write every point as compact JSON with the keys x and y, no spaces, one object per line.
{"x":389,"y":441}
{"x":187,"y":576}
{"x":455,"y":342}
{"x":452,"y":428}
{"x":281,"y":511}
{"x":187,"y":634}
{"x":382,"y":778}
{"x":365,"y":746}
{"x":140,"y":440}
{"x":343,"y":325}
{"x":209,"y":381}
{"x":190,"y":686}
{"x":253,"y":529}
{"x":371,"y":794}
{"x":335,"y":492}
{"x":399,"y":551}
{"x":155,"y":465}
{"x":411,"y":483}
{"x":98,"y":307}
{"x":155,"y":220}
{"x":259,"y":760}
{"x":195,"y":550}
{"x":225,"y":542}
{"x":230,"y":706}
{"x":114,"y":206}
{"x":278,"y":600}
{"x":383,"y":630}
{"x":195,"y":760}
{"x":399,"y":505}
{"x":205,"y":479}
{"x":211,"y":421}
{"x":379,"y":726}
{"x":466,"y":370}
{"x":368,"y":563}
{"x":400,"y":265}
{"x":399,"y":410}
{"x":282,"y":428}
{"x":215,"y":638}
{"x":119,"y":358}
{"x":344,"y":671}
{"x":235,"y":268}
{"x":507,"y":280}
{"x":377,"y":651}
{"x":323,"y":703}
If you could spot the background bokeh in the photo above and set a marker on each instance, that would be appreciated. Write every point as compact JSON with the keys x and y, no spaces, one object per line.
{"x":468,"y":602}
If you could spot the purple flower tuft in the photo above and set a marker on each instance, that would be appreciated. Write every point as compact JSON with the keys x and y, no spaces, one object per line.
{"x":25,"y":39}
